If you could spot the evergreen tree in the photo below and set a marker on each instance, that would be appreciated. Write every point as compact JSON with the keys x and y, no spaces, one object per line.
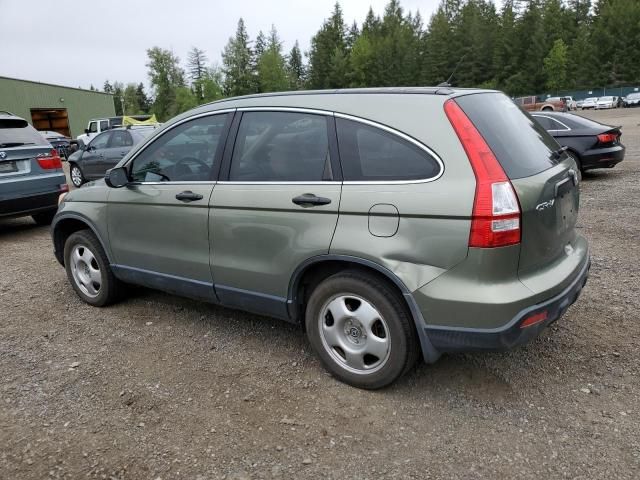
{"x":196,"y":68}
{"x":118,"y":97}
{"x":236,"y":61}
{"x":328,"y":54}
{"x":272,"y":73}
{"x":108,"y":88}
{"x":142,"y":99}
{"x":296,"y":68}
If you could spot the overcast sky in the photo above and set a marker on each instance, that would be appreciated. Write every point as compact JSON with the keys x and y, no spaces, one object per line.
{"x":79,"y":43}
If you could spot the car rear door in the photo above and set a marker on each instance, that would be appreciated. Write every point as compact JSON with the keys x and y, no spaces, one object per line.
{"x":275,"y":206}
{"x":159,"y":223}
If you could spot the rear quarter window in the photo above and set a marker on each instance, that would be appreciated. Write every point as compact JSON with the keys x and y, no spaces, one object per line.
{"x":521,"y":145}
{"x":369,"y":153}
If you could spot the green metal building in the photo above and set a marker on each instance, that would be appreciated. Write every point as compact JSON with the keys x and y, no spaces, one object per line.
{"x":65,"y":110}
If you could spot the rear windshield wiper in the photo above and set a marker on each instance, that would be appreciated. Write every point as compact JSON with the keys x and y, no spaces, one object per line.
{"x":14,"y":144}
{"x":556,"y":154}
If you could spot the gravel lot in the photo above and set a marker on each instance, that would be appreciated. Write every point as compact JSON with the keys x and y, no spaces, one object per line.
{"x":163,"y":387}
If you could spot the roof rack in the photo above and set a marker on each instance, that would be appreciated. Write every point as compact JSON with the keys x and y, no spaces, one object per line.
{"x":8,"y":113}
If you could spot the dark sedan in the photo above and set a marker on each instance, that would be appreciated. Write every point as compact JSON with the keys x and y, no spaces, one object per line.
{"x":590,"y":144}
{"x":104,"y":152}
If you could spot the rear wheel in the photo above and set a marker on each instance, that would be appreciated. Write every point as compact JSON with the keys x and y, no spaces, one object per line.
{"x":88,"y":269}
{"x":44,"y":218}
{"x":77,"y":178}
{"x":361,"y":330}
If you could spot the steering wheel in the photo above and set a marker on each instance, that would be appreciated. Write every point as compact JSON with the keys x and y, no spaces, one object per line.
{"x":181,"y":164}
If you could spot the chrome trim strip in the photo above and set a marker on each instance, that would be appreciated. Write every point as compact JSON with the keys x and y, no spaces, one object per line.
{"x":208,"y":182}
{"x":566,"y":128}
{"x":286,"y":109}
{"x":229,"y":182}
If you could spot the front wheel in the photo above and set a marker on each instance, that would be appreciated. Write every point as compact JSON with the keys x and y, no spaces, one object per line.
{"x":77,"y":178}
{"x":88,"y":269}
{"x":361,"y":330}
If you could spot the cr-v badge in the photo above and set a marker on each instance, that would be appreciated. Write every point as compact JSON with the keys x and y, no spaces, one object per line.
{"x":545,"y":205}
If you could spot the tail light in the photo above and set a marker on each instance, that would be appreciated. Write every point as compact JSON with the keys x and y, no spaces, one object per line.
{"x":50,"y":160}
{"x":64,"y":187}
{"x":495,"y":219}
{"x":607,"y":137}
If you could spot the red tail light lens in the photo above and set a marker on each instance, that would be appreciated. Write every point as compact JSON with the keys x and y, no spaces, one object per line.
{"x":50,"y":161}
{"x":607,"y":137}
{"x":496,"y":212}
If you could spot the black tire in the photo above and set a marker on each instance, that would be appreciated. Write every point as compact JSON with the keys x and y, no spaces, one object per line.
{"x":403,"y":344}
{"x":110,"y":287}
{"x":576,"y":159}
{"x":78,"y":179}
{"x":44,"y":218}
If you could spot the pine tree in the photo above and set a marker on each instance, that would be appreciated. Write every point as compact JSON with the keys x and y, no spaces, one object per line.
{"x":142,"y":99}
{"x":555,"y":66}
{"x":236,"y":61}
{"x":328,"y":54}
{"x":296,"y":68}
{"x":196,"y":68}
{"x":108,"y":88}
{"x":272,"y":72}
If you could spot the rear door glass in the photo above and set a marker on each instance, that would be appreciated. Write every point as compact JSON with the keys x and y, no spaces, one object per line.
{"x":521,"y":145}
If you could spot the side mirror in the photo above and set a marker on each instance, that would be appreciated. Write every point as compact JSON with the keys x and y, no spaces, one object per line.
{"x":86,"y":131}
{"x":117,"y":177}
{"x":89,"y":148}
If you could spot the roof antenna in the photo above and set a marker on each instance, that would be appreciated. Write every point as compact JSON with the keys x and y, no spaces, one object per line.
{"x":447,"y":83}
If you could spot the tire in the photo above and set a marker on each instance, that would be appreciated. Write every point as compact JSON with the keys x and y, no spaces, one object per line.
{"x":88,"y":270}
{"x":44,"y":218}
{"x":361,"y":330}
{"x":576,"y":159}
{"x":77,"y":177}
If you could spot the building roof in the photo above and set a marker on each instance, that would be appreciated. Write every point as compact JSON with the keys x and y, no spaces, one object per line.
{"x":54,"y":85}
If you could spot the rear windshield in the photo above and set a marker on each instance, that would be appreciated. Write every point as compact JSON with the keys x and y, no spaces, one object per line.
{"x":521,"y":145}
{"x":17,"y":132}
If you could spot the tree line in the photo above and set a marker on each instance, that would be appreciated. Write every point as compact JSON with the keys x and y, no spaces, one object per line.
{"x":525,"y":47}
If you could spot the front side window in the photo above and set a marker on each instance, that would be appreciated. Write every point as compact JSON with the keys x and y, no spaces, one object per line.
{"x":372,"y":154}
{"x":281,"y":147}
{"x":120,"y":139}
{"x":185,"y":153}
{"x":100,"y":141}
{"x":93,"y":127}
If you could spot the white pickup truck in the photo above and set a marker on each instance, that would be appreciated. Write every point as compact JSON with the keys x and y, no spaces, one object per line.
{"x":99,"y":125}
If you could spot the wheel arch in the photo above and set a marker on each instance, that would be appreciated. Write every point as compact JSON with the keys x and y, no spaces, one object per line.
{"x":315,"y":269}
{"x":64,"y":226}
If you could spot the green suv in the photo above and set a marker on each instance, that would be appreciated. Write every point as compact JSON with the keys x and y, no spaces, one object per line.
{"x":389,"y":223}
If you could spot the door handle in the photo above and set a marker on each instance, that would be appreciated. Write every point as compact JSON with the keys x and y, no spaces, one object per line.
{"x":310,"y":200}
{"x":188,"y":196}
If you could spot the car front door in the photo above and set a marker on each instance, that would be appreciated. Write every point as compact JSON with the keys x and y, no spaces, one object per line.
{"x":275,"y":206}
{"x":93,"y":156}
{"x":158,"y":224}
{"x":119,"y":144}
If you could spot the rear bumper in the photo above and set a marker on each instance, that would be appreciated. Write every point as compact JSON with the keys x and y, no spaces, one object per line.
{"x":459,"y":339}
{"x":602,"y":157}
{"x":29,"y":204}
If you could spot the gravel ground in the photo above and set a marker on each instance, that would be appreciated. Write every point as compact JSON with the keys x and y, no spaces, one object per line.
{"x":163,"y":387}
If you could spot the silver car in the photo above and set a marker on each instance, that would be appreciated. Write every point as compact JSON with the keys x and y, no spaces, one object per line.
{"x":31,"y":176}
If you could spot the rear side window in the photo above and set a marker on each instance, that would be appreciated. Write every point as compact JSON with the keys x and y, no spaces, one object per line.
{"x":104,"y":125}
{"x":120,"y":139}
{"x":521,"y":145}
{"x":15,"y":132}
{"x":372,"y":154}
{"x":281,"y":147}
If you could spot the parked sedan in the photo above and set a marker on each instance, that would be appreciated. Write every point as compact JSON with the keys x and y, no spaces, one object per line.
{"x":590,"y":144}
{"x":104,"y":152}
{"x":631,"y":100}
{"x":31,"y":176}
{"x":590,"y":102}
{"x":61,"y":143}
{"x":605,"y":102}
